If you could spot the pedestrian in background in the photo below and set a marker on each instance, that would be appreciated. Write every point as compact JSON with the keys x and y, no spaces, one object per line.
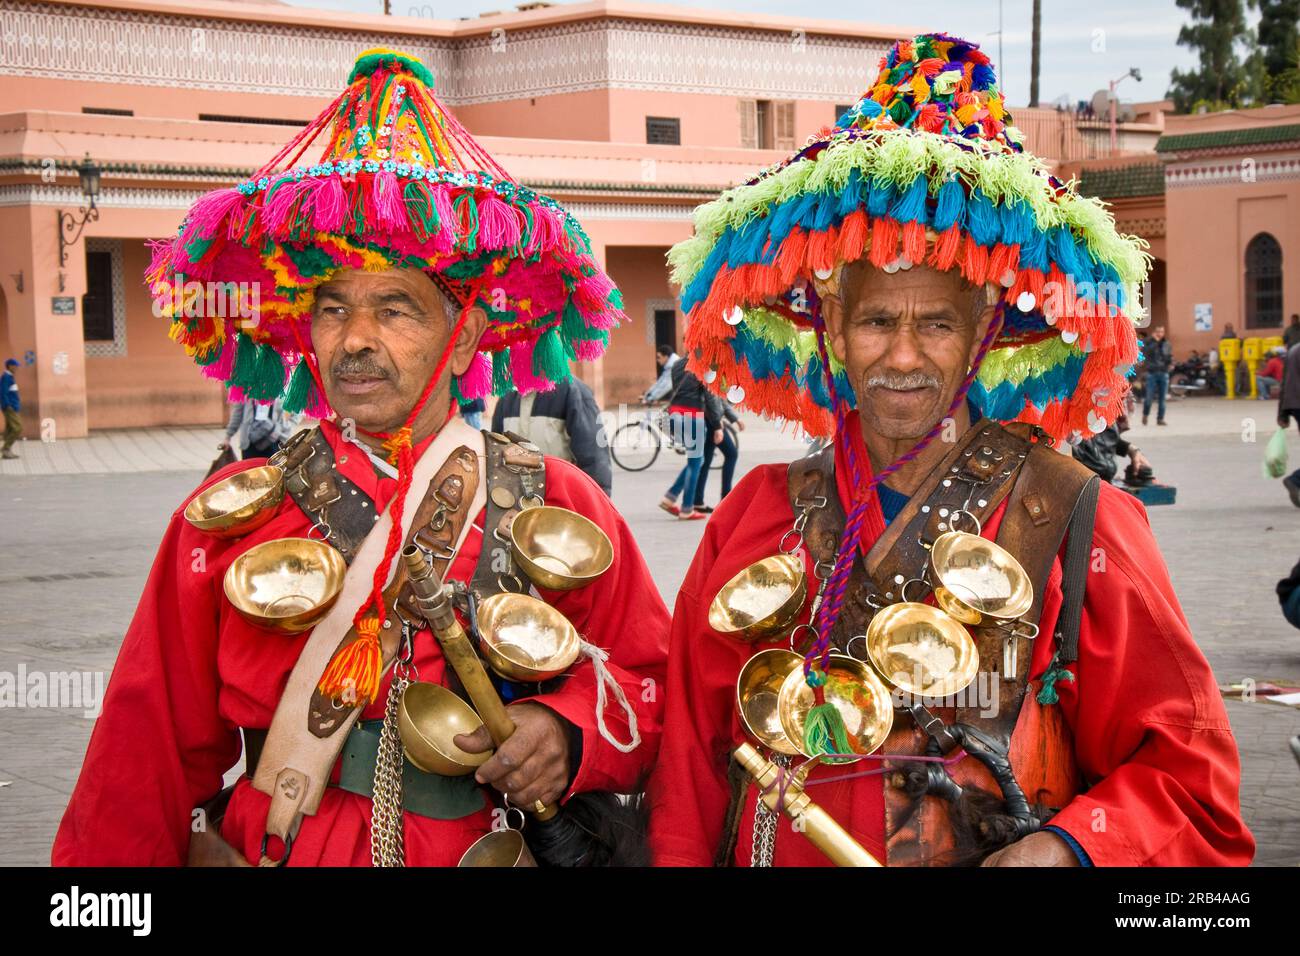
{"x":563,"y":423}
{"x":1158,"y":357}
{"x":665,"y":360}
{"x":1292,"y":334}
{"x":1288,"y":408}
{"x":730,"y":453}
{"x":1270,"y":376}
{"x":258,"y":429}
{"x":12,"y":405}
{"x":691,"y":422}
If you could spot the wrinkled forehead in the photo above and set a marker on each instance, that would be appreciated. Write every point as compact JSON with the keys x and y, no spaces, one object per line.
{"x":407,"y":285}
{"x":862,"y":284}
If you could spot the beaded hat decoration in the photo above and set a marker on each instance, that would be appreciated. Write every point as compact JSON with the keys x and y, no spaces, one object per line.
{"x":400,"y":183}
{"x":925,"y":168}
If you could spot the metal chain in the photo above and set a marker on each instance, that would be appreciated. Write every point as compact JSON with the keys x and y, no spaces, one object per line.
{"x":387,"y":847}
{"x":765,"y":821}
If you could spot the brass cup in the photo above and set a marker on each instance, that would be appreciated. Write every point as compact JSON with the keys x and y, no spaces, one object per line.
{"x":558,"y":549}
{"x":239,"y":504}
{"x":499,"y":848}
{"x":525,"y":639}
{"x":762,"y":600}
{"x":978,"y":579}
{"x":921,"y":650}
{"x":757,"y":689}
{"x":287,"y":584}
{"x":855,"y":691}
{"x":429,"y":717}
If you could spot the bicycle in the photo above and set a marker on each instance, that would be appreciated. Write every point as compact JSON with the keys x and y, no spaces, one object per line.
{"x":636,"y":445}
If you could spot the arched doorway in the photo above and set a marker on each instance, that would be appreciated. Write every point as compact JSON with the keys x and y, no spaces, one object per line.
{"x":1263,"y":283}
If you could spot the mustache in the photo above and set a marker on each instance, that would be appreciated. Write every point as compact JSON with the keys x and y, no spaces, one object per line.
{"x":358,"y":365}
{"x":907,"y":380}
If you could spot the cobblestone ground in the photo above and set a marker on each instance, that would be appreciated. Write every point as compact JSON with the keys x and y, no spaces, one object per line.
{"x":77,"y":546}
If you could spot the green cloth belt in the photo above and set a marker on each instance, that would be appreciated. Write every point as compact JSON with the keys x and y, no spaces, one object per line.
{"x":426,"y":794}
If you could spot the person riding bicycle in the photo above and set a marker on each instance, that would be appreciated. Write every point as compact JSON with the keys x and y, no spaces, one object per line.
{"x":665,"y":359}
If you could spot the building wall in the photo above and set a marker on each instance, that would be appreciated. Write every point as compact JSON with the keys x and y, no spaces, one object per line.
{"x":154,"y":382}
{"x":1209,"y":227}
{"x":629,"y":367}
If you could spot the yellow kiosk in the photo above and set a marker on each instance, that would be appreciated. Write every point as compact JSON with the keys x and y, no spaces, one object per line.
{"x":1230,"y":355}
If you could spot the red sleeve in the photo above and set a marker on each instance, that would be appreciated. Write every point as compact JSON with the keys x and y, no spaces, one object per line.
{"x":622,"y":613}
{"x":688,"y":792}
{"x":159,"y":748}
{"x":1151,"y":733}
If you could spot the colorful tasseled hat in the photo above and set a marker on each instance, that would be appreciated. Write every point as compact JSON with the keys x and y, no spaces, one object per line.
{"x":400,"y":182}
{"x":925,"y":168}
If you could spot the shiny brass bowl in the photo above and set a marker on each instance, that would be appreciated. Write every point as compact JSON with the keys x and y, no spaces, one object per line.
{"x":501,"y":848}
{"x":920,"y":649}
{"x":559,"y":549}
{"x":525,"y":639}
{"x":762,"y":600}
{"x":757,"y":688}
{"x":978,"y":579}
{"x":287,"y":584}
{"x":855,"y":691}
{"x":429,"y":717}
{"x":239,"y":504}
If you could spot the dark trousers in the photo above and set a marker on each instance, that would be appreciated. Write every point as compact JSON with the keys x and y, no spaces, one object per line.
{"x":13,"y":428}
{"x":730,"y":454}
{"x":264,"y":448}
{"x":1157,"y":389}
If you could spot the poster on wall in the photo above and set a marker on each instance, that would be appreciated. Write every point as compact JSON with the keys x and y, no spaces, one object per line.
{"x":1203,"y":316}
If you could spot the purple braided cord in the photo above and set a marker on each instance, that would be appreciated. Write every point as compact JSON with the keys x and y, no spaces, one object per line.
{"x":841,"y":408}
{"x":838,"y":583}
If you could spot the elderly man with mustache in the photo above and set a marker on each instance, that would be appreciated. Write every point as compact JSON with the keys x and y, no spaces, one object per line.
{"x":1038,"y":703}
{"x":376,"y":316}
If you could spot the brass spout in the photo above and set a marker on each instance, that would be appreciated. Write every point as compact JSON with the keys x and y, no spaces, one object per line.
{"x":434,"y":601}
{"x":815,"y":823}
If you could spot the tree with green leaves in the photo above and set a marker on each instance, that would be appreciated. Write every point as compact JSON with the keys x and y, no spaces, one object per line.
{"x":1217,"y":33}
{"x":1279,"y":33}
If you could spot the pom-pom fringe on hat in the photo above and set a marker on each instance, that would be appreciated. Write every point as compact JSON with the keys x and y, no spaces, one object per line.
{"x":925,"y":168}
{"x":400,"y":183}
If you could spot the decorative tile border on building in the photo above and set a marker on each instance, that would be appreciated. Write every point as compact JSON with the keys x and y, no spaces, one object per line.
{"x":204,"y":53}
{"x":117,"y":347}
{"x":1148,"y":227}
{"x":610,"y":210}
{"x":111,"y":197}
{"x":1222,"y":173}
{"x":188,"y":52}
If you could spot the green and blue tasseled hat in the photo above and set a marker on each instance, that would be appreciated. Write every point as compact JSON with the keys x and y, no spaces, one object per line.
{"x":925,"y":168}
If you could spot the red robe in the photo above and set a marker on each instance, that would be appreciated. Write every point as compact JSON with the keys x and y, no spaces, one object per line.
{"x":191,"y":671}
{"x":1151,"y":736}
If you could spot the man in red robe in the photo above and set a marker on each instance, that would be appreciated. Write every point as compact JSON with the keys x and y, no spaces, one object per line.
{"x":386,"y":344}
{"x":1126,"y":742}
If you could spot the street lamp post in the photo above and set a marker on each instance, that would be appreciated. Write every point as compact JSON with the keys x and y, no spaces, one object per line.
{"x":1114,"y":133}
{"x":70,"y":226}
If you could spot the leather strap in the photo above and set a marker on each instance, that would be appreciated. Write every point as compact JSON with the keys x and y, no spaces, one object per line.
{"x":296,"y":762}
{"x":439,"y":520}
{"x":1074,"y":572}
{"x":338,"y":508}
{"x":988,"y":463}
{"x":516,"y":474}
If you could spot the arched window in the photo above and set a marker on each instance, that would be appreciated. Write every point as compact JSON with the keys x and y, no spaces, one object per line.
{"x":1263,"y":283}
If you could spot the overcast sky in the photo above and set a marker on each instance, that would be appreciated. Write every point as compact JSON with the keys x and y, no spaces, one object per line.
{"x":1085,"y":45}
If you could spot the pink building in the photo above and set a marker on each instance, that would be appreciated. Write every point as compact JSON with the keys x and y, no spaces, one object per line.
{"x":628,"y":113}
